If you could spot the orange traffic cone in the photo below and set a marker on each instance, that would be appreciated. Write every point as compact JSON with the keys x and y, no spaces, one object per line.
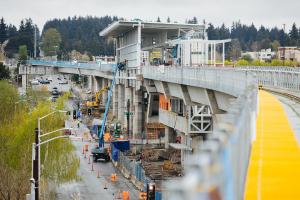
{"x":119,"y":195}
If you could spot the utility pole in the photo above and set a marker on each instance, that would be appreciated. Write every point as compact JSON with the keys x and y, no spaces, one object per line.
{"x":283,"y":44}
{"x":128,"y":110}
{"x":34,"y":41}
{"x":36,"y":165}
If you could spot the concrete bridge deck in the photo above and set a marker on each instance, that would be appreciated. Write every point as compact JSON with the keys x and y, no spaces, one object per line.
{"x":274,"y":165}
{"x":268,"y":145}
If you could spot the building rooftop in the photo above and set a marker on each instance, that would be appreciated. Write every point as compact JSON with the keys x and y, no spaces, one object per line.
{"x":119,"y":27}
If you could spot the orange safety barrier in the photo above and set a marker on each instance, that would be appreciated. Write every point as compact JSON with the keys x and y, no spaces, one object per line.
{"x":163,"y":102}
{"x":113,"y":177}
{"x":86,"y":147}
{"x":106,"y":137}
{"x":143,"y":196}
{"x":126,"y":195}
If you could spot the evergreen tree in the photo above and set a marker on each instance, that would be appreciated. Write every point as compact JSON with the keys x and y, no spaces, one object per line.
{"x":294,"y":35}
{"x":158,"y":19}
{"x":168,"y":20}
{"x":3,"y":31}
{"x":212,"y":32}
{"x":4,"y":72}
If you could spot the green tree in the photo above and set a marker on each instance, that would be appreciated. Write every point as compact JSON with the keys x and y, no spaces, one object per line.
{"x":3,"y":31}
{"x":274,"y":45}
{"x":168,"y":20}
{"x":51,"y":41}
{"x":235,"y":49}
{"x":22,"y":54}
{"x":4,"y":72}
{"x":294,"y":35}
{"x":18,"y":120}
{"x":247,"y":57}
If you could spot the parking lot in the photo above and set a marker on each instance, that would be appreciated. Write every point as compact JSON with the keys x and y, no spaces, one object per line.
{"x":61,"y":82}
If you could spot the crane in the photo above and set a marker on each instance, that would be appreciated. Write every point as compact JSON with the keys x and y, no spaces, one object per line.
{"x":100,"y":151}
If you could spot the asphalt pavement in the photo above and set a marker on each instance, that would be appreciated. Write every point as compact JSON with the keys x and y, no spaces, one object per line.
{"x":54,"y":83}
{"x":95,"y":184}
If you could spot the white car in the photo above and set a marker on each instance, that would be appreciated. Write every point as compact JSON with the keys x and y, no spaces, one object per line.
{"x":63,"y":81}
{"x":35,"y":82}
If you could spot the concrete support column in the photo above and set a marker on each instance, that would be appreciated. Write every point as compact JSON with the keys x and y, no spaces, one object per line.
{"x":169,"y":136}
{"x":115,"y":101}
{"x":105,"y":94}
{"x":139,"y":115}
{"x":90,"y":83}
{"x":128,"y":96}
{"x":96,"y":84}
{"x":121,"y":103}
{"x":24,"y":81}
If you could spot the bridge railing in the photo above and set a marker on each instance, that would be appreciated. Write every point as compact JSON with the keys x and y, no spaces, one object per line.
{"x":276,"y":77}
{"x":69,"y":64}
{"x":227,"y":80}
{"x":220,"y":166}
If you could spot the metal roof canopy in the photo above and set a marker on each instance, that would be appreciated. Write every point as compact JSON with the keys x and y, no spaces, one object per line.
{"x":119,"y":27}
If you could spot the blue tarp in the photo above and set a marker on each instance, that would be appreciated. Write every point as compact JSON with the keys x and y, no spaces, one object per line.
{"x":114,"y":153}
{"x":122,"y":145}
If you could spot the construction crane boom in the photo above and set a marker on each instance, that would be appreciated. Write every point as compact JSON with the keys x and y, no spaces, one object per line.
{"x":116,"y":68}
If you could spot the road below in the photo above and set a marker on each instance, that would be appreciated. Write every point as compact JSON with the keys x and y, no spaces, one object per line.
{"x":92,"y":187}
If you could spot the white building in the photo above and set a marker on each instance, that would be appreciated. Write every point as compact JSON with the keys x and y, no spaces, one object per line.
{"x":262,"y":55}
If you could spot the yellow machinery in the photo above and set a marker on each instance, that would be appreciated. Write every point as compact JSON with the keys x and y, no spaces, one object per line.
{"x":96,"y":102}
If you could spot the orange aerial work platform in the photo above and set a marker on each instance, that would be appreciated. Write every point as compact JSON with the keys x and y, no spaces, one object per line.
{"x":274,"y":165}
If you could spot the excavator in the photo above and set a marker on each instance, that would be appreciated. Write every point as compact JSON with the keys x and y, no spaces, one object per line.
{"x":100,"y":152}
{"x":96,"y":102}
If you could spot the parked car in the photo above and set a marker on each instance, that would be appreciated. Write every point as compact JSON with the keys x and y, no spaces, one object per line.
{"x":55,"y":92}
{"x":35,"y":82}
{"x":63,"y":82}
{"x":45,"y":82}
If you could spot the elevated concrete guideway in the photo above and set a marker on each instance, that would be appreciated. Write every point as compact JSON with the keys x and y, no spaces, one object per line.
{"x":273,"y":171}
{"x":230,"y":93}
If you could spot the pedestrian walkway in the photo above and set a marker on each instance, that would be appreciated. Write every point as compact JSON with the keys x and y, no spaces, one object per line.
{"x":274,"y":166}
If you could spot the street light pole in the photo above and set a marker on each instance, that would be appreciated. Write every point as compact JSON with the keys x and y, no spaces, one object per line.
{"x":36,"y":165}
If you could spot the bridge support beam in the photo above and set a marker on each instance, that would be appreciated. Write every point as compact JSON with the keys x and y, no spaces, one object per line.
{"x":139,"y":115}
{"x":24,"y":81}
{"x":129,"y":101}
{"x":104,"y":95}
{"x":121,"y":103}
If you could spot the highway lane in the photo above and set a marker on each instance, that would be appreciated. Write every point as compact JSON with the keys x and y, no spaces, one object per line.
{"x":91,"y":187}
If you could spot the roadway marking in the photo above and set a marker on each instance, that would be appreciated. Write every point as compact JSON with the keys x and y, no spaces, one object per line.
{"x":274,"y":164}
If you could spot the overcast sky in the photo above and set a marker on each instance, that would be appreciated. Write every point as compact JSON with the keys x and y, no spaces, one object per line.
{"x":266,"y":12}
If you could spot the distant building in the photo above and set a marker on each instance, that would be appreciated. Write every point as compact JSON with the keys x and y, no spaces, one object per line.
{"x":104,"y":59}
{"x":289,"y":53}
{"x":262,"y":55}
{"x":266,"y":54}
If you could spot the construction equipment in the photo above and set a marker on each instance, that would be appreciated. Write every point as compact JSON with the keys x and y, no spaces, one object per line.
{"x":96,"y":102}
{"x":100,"y":152}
